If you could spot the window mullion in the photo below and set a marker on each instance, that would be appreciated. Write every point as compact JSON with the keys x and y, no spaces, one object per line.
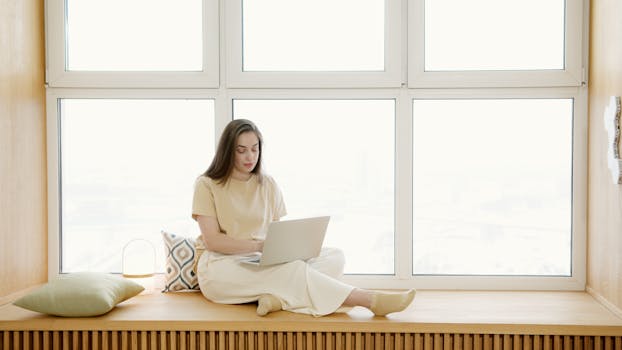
{"x":403,"y":186}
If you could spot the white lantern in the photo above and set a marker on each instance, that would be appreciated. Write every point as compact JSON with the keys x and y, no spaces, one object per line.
{"x":139,"y":263}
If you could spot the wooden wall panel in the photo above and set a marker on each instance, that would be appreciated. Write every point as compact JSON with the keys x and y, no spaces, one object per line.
{"x":23,"y":198}
{"x":604,"y":268}
{"x":234,"y":340}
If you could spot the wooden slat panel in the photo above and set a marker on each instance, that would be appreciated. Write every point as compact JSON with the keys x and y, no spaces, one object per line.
{"x":16,"y":341}
{"x":27,"y":339}
{"x":467,"y":341}
{"x":46,"y":340}
{"x":36,"y":340}
{"x":547,"y":342}
{"x":400,"y":341}
{"x":497,"y":342}
{"x":131,"y":340}
{"x":447,"y":341}
{"x":245,"y":340}
{"x":75,"y":340}
{"x":507,"y":342}
{"x":610,"y":343}
{"x":438,"y":341}
{"x":456,"y":340}
{"x":368,"y":341}
{"x":65,"y":340}
{"x":84,"y":340}
{"x":56,"y":339}
{"x":527,"y":341}
{"x":418,"y":341}
{"x":537,"y":342}
{"x":378,"y":340}
{"x":144,"y":337}
{"x":480,"y":341}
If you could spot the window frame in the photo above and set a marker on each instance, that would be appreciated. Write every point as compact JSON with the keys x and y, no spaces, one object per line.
{"x":390,"y":77}
{"x":401,"y":193}
{"x":573,"y":74}
{"x":53,"y":117}
{"x":56,"y":56}
{"x":403,"y":83}
{"x":577,"y":278}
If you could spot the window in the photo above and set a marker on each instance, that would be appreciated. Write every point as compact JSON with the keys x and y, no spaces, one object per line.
{"x":123,"y":163}
{"x":133,"y":43}
{"x":446,"y":139}
{"x":498,"y":204}
{"x":345,"y":171}
{"x":308,"y":43}
{"x":487,"y":43}
{"x":93,"y":44}
{"x":493,"y":35}
{"x":307,"y":46}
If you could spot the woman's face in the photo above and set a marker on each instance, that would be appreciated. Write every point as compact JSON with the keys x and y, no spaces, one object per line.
{"x":246,"y":155}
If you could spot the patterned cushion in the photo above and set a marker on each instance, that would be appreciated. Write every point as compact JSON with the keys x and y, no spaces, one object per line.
{"x":180,"y":253}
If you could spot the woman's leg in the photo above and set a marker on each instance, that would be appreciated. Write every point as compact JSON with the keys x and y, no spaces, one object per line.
{"x":268,"y":303}
{"x":380,"y":303}
{"x":297,"y":287}
{"x":331,"y":262}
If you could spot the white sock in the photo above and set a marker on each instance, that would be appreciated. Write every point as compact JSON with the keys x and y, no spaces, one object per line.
{"x":268,"y":303}
{"x":383,"y":303}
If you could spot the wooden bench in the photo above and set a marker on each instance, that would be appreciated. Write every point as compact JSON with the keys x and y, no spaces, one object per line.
{"x":436,"y":320}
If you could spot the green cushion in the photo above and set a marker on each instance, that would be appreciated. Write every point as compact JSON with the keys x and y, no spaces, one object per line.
{"x":80,"y":294}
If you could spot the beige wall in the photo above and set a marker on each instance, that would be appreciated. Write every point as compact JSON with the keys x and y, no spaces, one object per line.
{"x":23,"y":209}
{"x":604,"y":270}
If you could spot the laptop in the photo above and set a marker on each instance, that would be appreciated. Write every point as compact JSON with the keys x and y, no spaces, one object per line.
{"x":291,"y":240}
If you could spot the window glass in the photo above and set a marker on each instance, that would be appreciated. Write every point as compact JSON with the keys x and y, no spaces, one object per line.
{"x":127,"y":172}
{"x":134,"y":35}
{"x":494,"y":35}
{"x":313,"y":35}
{"x":335,"y":157}
{"x":492,"y":184}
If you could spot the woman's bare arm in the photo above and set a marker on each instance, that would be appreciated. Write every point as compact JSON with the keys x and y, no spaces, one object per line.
{"x":219,"y":242}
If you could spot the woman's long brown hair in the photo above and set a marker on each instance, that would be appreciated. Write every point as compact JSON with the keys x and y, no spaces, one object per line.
{"x":223,"y":162}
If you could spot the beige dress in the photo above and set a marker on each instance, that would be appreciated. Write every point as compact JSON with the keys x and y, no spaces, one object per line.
{"x":244,"y":210}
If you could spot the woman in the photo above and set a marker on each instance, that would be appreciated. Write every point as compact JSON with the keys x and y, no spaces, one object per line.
{"x":234,"y":202}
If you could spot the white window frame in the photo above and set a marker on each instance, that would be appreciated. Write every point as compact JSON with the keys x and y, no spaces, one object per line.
{"x":53,"y":98}
{"x":393,"y":83}
{"x":390,"y":77}
{"x":403,"y":277}
{"x":577,"y":278}
{"x":573,"y":73}
{"x":58,"y":76}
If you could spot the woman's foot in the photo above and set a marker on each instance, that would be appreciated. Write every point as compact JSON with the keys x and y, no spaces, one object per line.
{"x":383,"y":303}
{"x":268,"y":303}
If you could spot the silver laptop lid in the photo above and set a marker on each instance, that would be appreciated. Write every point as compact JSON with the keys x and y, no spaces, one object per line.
{"x":290,"y":240}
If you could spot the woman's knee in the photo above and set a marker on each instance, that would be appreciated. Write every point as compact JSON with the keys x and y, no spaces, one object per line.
{"x":330,"y":262}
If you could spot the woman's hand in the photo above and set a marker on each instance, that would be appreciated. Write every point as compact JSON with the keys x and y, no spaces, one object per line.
{"x":216,"y":241}
{"x":259,"y":246}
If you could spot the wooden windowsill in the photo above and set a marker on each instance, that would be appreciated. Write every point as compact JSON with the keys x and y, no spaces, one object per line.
{"x":554,"y":313}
